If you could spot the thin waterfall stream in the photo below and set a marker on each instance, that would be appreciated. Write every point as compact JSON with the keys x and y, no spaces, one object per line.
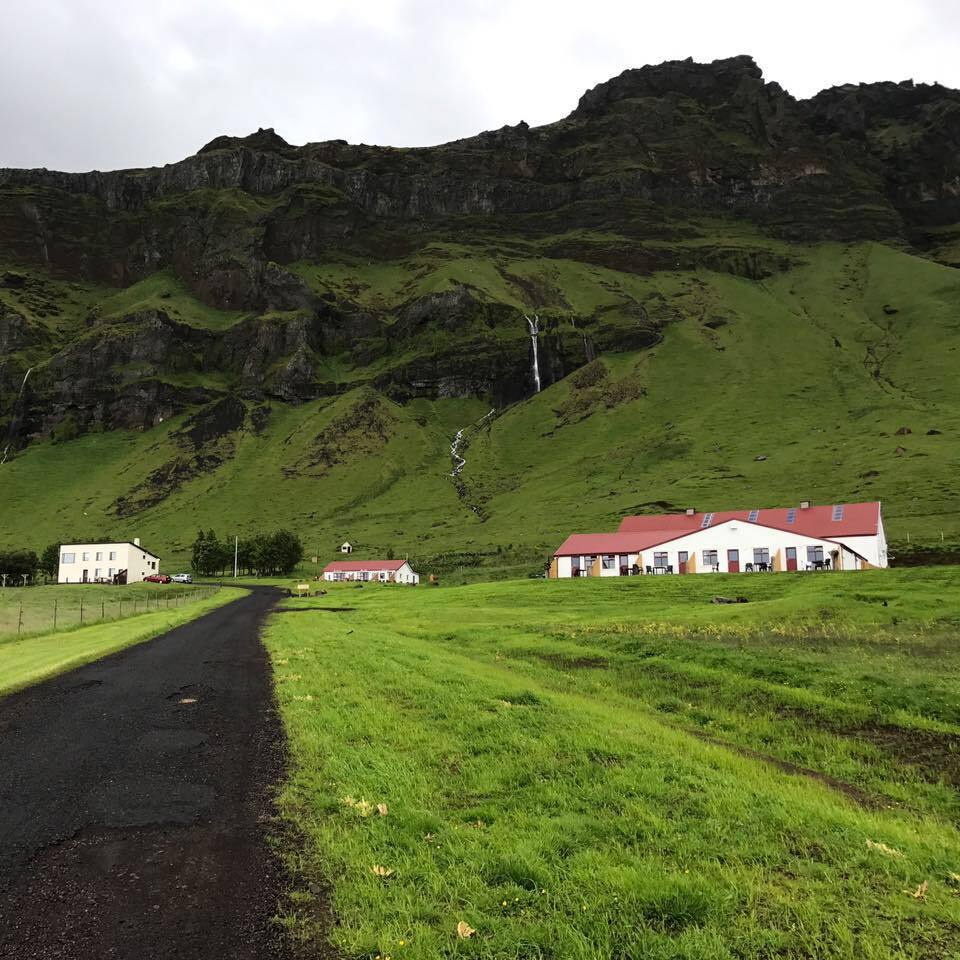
{"x":533,"y":325}
{"x":23,"y":383}
{"x":457,"y":461}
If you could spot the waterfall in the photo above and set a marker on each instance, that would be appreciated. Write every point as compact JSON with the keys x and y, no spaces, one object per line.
{"x":23,"y":383}
{"x":533,"y":325}
{"x":458,"y":462}
{"x":456,"y":444}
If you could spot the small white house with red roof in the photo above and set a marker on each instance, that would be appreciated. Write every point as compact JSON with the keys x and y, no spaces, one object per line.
{"x":844,"y":536}
{"x":371,"y":571}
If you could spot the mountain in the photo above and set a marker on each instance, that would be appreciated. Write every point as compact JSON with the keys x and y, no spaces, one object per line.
{"x":693,"y":290}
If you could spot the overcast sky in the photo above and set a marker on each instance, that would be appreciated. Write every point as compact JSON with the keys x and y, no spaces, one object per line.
{"x":102,"y":84}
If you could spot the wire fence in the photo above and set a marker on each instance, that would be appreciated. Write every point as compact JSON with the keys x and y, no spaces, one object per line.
{"x":69,"y":610}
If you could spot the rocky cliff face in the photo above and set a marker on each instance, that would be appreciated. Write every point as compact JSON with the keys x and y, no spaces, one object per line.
{"x":635,"y":180}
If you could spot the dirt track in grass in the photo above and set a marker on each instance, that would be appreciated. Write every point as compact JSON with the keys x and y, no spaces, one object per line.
{"x":135,"y":797}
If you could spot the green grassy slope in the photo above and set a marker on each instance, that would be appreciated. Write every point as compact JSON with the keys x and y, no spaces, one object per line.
{"x":815,"y":369}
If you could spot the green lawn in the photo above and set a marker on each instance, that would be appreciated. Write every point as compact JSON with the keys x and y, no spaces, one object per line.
{"x":29,"y":660}
{"x":42,"y":609}
{"x":623,"y":769}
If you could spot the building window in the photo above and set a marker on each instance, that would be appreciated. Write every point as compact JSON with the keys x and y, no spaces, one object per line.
{"x":609,"y":561}
{"x":113,"y":555}
{"x":96,"y":574}
{"x":85,"y":556}
{"x":659,"y":560}
{"x":710,"y":558}
{"x":99,"y":555}
{"x":110,"y":572}
{"x":68,"y":558}
{"x":814,"y":554}
{"x":761,"y":554}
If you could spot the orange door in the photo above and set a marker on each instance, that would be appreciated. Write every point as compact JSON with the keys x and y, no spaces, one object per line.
{"x":791,"y":558}
{"x":682,"y":558}
{"x":733,"y":561}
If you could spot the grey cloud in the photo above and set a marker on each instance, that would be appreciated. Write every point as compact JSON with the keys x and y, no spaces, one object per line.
{"x":105,"y":84}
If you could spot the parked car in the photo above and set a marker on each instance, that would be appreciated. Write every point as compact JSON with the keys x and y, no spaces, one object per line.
{"x":182,"y":578}
{"x":157,"y":578}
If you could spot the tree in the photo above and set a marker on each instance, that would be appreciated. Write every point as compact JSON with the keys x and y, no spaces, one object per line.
{"x":50,"y":560}
{"x":210,"y":554}
{"x":18,"y":563}
{"x":198,"y":557}
{"x":287,"y":551}
{"x":264,"y":554}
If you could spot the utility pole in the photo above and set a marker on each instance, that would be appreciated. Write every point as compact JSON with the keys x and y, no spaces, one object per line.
{"x":236,"y":553}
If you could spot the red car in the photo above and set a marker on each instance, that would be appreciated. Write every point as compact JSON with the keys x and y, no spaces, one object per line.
{"x":157,"y":578}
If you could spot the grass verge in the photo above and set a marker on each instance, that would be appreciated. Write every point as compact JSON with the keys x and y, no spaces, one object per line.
{"x":574,"y":770}
{"x":35,"y":610}
{"x":27,"y":661}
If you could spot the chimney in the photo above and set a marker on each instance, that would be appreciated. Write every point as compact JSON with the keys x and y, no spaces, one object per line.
{"x":136,"y":541}
{"x":804,"y":504}
{"x":691,"y":511}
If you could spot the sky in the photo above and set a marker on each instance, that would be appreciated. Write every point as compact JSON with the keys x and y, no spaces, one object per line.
{"x":105,"y":84}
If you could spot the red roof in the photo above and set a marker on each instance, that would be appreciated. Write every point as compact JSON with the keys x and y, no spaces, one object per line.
{"x":642,"y":532}
{"x":854,"y":520}
{"x":596,"y":543}
{"x":362,"y":566}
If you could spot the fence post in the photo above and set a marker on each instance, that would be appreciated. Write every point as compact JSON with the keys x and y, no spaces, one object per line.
{"x":81,"y":609}
{"x":54,"y":614}
{"x":102,"y":608}
{"x":134,"y":605}
{"x":20,"y":619}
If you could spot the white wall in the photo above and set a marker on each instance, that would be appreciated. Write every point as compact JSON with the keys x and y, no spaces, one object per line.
{"x":95,"y":559}
{"x":403,"y":575}
{"x":744,"y":537}
{"x":872,"y":549}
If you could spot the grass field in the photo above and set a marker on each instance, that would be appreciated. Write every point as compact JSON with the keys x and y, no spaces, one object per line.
{"x":623,"y":769}
{"x":29,"y":660}
{"x":43,"y":609}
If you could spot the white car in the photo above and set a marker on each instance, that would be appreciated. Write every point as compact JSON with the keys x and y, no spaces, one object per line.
{"x":182,"y":578}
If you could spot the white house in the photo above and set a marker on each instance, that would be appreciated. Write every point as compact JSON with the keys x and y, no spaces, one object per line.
{"x":124,"y":562}
{"x":838,"y":537}
{"x":375,"y":571}
{"x":346,"y":547}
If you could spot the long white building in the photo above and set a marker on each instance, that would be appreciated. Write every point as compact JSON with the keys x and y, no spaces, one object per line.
{"x":838,"y":537}
{"x":123,"y":562}
{"x":371,"y":571}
